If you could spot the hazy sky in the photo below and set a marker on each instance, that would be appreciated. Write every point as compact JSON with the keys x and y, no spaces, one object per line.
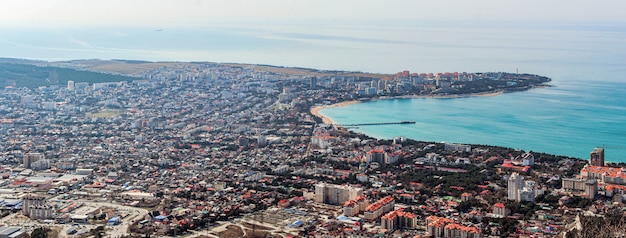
{"x":366,"y":35}
{"x":170,"y":13}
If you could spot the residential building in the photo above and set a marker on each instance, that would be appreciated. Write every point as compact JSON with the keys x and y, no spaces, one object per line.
{"x":588,"y":186}
{"x":500,"y":210}
{"x":355,"y":206}
{"x":335,"y":194}
{"x":380,"y":207}
{"x":604,"y":174}
{"x":32,"y":157}
{"x":596,"y":157}
{"x":515,"y":184}
{"x":375,"y":156}
{"x":457,"y":147}
{"x":520,"y":190}
{"x":398,"y":219}
{"x":458,"y":230}
{"x":528,"y":159}
{"x":35,"y":207}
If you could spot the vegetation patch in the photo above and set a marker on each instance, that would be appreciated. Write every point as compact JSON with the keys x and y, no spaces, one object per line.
{"x":107,"y":113}
{"x":32,"y":76}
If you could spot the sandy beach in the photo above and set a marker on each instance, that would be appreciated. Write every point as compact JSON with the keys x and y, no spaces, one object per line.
{"x":316,"y":110}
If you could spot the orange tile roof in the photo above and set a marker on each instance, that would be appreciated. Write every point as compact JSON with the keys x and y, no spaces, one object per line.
{"x":375,"y":151}
{"x":375,"y":206}
{"x":615,"y":187}
{"x":398,"y":213}
{"x":354,"y":201}
{"x":454,"y":226}
{"x":438,"y":221}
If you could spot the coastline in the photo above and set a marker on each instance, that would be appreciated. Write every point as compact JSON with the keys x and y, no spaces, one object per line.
{"x":316,"y":110}
{"x":327,"y":120}
{"x":442,"y":96}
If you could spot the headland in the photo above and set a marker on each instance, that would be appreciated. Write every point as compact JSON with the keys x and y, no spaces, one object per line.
{"x":440,"y":86}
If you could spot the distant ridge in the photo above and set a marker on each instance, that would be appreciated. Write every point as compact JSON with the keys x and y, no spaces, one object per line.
{"x":20,"y":61}
{"x":26,"y":73}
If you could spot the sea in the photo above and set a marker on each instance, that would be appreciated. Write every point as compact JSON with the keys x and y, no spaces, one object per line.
{"x":584,"y":108}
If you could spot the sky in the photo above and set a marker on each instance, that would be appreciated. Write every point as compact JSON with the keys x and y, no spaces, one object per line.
{"x":178,"y":13}
{"x":363,"y":35}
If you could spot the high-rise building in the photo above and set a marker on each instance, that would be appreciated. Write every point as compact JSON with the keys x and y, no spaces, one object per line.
{"x":520,"y":190}
{"x":591,"y":188}
{"x":515,"y":183}
{"x":35,"y":207}
{"x":596,"y":157}
{"x":313,"y":82}
{"x":32,"y":157}
{"x":527,"y":193}
{"x":375,"y":156}
{"x":70,"y":85}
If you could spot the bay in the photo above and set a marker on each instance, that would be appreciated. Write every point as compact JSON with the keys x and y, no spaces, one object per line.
{"x":569,"y":119}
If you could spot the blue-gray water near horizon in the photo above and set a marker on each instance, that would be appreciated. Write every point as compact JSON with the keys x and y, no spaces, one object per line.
{"x":585,"y":108}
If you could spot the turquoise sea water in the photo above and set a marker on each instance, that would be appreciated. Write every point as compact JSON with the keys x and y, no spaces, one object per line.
{"x":567,"y":120}
{"x":586,"y":108}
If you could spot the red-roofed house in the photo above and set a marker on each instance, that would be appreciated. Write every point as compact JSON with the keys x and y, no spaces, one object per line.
{"x":500,"y":210}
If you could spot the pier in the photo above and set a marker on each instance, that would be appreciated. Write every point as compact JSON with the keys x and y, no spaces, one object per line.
{"x":376,"y":124}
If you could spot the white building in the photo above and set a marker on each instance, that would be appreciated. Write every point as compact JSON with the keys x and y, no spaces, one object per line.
{"x":520,"y":190}
{"x":70,"y":85}
{"x":515,"y":183}
{"x":528,"y":159}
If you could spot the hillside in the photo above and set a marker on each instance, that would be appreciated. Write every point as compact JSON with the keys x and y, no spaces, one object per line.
{"x":28,"y":75}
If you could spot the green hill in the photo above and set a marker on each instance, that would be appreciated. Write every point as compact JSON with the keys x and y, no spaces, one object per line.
{"x":26,"y":75}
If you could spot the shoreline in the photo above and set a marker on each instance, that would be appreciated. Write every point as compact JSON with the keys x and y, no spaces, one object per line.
{"x":327,"y":120}
{"x":315,"y":110}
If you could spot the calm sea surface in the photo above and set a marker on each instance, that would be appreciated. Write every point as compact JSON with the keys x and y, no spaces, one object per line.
{"x":586,"y":108}
{"x":567,"y":120}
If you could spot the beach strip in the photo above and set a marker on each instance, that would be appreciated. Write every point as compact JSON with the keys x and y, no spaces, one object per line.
{"x":316,"y":110}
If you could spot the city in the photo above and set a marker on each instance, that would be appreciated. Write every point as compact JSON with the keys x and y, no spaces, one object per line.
{"x":217,"y":150}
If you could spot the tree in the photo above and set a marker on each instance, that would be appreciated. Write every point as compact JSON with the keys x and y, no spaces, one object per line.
{"x":466,"y":206}
{"x":39,"y":232}
{"x":507,"y":226}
